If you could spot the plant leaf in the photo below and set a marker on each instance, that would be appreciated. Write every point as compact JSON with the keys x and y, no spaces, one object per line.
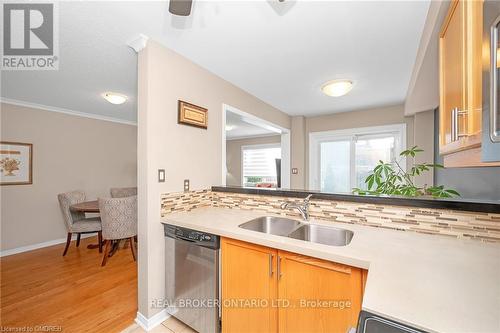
{"x":391,"y":179}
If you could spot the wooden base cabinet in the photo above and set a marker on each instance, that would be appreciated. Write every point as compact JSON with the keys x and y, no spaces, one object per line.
{"x":324,"y":296}
{"x":298,"y":293}
{"x":249,"y":286}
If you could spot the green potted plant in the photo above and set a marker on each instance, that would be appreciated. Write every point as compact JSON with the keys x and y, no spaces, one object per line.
{"x":392,"y":179}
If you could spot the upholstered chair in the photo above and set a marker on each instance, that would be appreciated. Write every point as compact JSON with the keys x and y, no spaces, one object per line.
{"x":122,"y":192}
{"x":76,"y":222}
{"x":119,"y":221}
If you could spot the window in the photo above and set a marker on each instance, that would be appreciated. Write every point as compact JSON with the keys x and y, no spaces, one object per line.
{"x":259,"y":165}
{"x":341,"y":160}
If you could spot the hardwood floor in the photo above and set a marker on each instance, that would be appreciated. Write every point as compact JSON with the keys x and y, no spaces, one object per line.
{"x":74,"y":292}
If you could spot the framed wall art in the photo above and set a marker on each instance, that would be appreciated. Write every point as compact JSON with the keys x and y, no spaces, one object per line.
{"x":16,"y":163}
{"x":192,"y":115}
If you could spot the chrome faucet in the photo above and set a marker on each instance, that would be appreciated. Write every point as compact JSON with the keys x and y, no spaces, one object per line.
{"x":303,"y":208}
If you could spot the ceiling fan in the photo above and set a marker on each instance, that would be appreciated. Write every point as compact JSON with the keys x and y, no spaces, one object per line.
{"x":183,"y":7}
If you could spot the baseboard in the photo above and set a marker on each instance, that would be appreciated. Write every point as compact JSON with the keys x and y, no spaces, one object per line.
{"x":32,"y":247}
{"x":148,"y":324}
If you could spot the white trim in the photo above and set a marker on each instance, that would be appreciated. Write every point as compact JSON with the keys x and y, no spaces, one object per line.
{"x":285,"y":160}
{"x":65,"y":111}
{"x":245,"y":137}
{"x":315,"y":138}
{"x":155,"y":320}
{"x":261,"y":146}
{"x":32,"y":247}
{"x":359,"y":131}
{"x":224,"y":160}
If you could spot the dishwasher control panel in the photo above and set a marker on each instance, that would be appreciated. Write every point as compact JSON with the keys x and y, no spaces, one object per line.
{"x":189,"y":235}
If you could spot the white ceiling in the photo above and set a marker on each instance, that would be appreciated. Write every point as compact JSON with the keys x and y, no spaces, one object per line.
{"x":93,"y":58}
{"x":239,"y":127}
{"x":279,"y":52}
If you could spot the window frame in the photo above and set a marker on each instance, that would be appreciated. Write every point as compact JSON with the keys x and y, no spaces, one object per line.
{"x":257,"y":146}
{"x":316,"y":138}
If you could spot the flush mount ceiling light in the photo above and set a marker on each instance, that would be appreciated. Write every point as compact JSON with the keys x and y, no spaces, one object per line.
{"x":114,"y":98}
{"x":337,"y":88}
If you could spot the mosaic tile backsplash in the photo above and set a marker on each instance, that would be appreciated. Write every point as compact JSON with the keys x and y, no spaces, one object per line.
{"x":460,"y":224}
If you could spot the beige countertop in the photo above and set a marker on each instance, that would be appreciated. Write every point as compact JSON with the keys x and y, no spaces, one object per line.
{"x":436,"y":283}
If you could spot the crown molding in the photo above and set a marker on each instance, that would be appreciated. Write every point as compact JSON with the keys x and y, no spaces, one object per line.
{"x":65,"y":111}
{"x":138,"y":42}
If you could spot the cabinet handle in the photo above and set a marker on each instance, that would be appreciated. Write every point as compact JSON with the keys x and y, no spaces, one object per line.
{"x":271,"y":256}
{"x":455,"y":123}
{"x":494,"y":111}
{"x":279,"y":267}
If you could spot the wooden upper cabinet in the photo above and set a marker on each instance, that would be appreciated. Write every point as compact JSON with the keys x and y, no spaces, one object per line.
{"x":248,"y":275}
{"x":452,"y":71}
{"x":460,"y":77}
{"x":460,"y":74}
{"x":304,"y":281}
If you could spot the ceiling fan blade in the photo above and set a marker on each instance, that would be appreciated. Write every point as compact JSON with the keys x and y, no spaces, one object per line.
{"x":180,"y":7}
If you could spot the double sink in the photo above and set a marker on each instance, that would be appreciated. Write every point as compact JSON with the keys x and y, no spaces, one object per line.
{"x":309,"y":232}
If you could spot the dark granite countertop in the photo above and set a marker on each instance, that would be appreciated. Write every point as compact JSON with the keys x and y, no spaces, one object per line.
{"x":473,"y":205}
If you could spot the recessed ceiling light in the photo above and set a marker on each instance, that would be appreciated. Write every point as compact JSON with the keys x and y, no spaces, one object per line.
{"x":115,"y":98}
{"x":337,"y":88}
{"x":230,"y":127}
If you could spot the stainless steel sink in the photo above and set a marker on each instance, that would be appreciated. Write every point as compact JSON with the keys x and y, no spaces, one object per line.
{"x":321,"y":234}
{"x":279,"y":226}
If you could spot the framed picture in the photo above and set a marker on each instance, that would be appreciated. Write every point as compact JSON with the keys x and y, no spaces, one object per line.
{"x":192,"y":115}
{"x":16,"y":163}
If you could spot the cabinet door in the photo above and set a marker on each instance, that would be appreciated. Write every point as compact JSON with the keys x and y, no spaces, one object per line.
{"x":318,"y":292}
{"x":452,"y":72}
{"x":249,"y":288}
{"x":474,"y":46}
{"x":461,"y":56}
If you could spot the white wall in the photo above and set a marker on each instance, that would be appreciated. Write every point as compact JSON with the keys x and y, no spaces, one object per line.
{"x":298,"y":158}
{"x":69,"y":153}
{"x":424,"y":138}
{"x":184,"y":152}
{"x":423,"y":89}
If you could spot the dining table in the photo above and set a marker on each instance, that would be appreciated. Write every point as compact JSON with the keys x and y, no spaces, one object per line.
{"x":92,"y":207}
{"x":86,"y":207}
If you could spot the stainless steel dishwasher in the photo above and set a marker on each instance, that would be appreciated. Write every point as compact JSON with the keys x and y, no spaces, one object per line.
{"x":192,"y":277}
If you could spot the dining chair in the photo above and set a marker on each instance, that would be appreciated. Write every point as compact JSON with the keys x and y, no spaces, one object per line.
{"x":119,"y":221}
{"x":76,"y":222}
{"x":122,"y":192}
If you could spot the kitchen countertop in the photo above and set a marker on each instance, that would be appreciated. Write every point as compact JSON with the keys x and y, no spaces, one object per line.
{"x":435,"y":283}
